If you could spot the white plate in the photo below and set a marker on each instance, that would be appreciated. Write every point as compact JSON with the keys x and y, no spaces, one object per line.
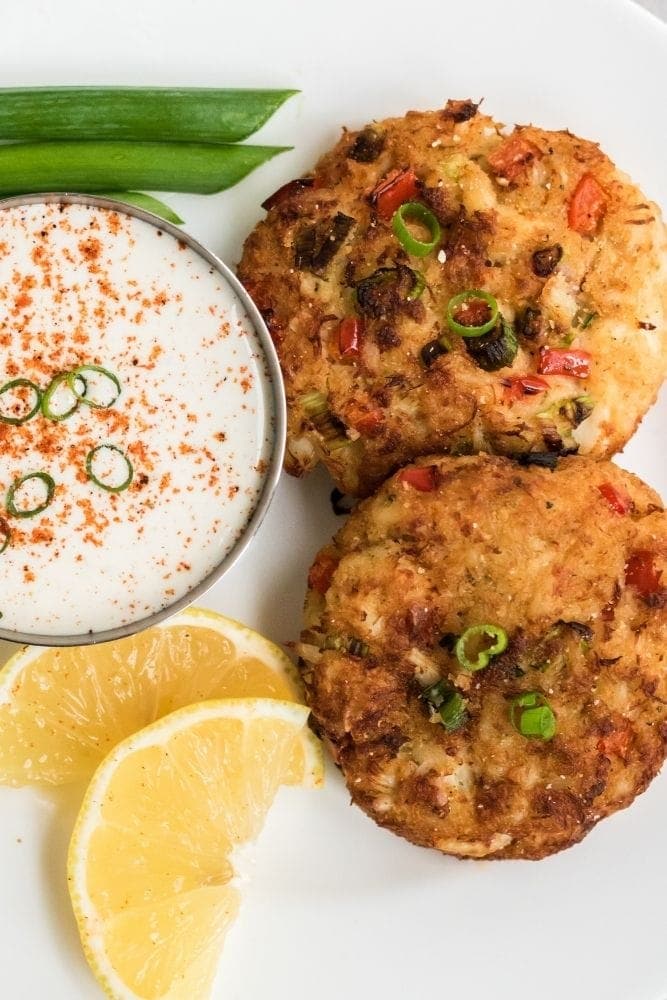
{"x":337,"y":907}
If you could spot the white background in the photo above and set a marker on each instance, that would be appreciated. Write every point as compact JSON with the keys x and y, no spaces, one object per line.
{"x":336,"y":907}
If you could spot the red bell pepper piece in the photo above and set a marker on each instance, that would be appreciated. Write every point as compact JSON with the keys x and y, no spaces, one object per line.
{"x":557,"y":361}
{"x":396,"y":188}
{"x":420,"y":477}
{"x":349,"y":337}
{"x":641,"y":574}
{"x":520,"y":386}
{"x":511,"y":158}
{"x":619,"y":501}
{"x":587,"y":207}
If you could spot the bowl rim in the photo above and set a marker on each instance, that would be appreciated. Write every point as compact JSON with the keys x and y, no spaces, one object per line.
{"x":277,"y":424}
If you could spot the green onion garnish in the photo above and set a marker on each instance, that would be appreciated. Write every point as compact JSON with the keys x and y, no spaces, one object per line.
{"x":5,"y":535}
{"x":87,"y":374}
{"x":471,"y":643}
{"x":10,"y":502}
{"x":21,"y":383}
{"x":60,"y":386}
{"x":412,"y":211}
{"x":446,"y":701}
{"x":453,"y":713}
{"x":418,"y":286}
{"x":473,"y":302}
{"x":316,"y":408}
{"x":583,"y":318}
{"x":346,"y":644}
{"x":532,"y":716}
{"x":108,"y":450}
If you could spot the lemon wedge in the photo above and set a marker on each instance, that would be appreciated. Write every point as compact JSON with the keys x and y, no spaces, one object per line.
{"x":63,"y":710}
{"x":151,"y":861}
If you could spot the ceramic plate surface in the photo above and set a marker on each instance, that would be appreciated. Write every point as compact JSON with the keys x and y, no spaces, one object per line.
{"x":335,"y":907}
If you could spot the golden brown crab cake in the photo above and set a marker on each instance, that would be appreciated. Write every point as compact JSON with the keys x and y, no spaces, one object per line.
{"x":571,"y":250}
{"x":485,"y":651}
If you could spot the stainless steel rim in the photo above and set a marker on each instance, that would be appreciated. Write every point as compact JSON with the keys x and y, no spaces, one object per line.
{"x":279,"y":436}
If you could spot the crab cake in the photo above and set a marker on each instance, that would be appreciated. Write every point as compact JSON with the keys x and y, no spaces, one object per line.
{"x":368,"y":274}
{"x":485,"y":651}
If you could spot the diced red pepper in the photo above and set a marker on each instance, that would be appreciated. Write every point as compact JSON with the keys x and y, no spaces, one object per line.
{"x":420,"y":477}
{"x":557,"y":361}
{"x":615,"y":742}
{"x":520,"y":386}
{"x":642,"y":574}
{"x":287,"y":191}
{"x":367,"y":422}
{"x":587,"y":207}
{"x":322,"y":571}
{"x":349,"y":337}
{"x":617,"y":498}
{"x":511,"y":158}
{"x":370,"y":423}
{"x":396,"y":188}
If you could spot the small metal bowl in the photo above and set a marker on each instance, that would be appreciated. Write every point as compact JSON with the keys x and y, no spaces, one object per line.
{"x":279,"y":425}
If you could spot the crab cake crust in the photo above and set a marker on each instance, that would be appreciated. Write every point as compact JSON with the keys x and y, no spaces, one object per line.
{"x":577,"y":584}
{"x":572,"y":250}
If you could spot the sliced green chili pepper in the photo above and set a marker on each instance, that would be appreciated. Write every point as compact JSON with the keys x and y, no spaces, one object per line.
{"x":53,"y":387}
{"x":21,"y":383}
{"x":10,"y":503}
{"x":465,"y":299}
{"x":413,"y":211}
{"x":474,"y":635}
{"x":532,"y":716}
{"x":109,"y":487}
{"x":83,"y":397}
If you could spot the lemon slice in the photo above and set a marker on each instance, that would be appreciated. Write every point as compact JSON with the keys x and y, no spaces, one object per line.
{"x":63,"y":710}
{"x":151,"y":861}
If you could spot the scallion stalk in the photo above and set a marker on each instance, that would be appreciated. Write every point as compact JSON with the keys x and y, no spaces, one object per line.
{"x":90,"y":166}
{"x":145,"y":201}
{"x":189,"y":114}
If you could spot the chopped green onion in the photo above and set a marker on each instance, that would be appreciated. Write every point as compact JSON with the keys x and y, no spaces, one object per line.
{"x":5,"y":535}
{"x":21,"y":383}
{"x":532,"y":716}
{"x":583,"y":318}
{"x":464,"y":299}
{"x":110,"y":487}
{"x":453,"y":712}
{"x":436,"y":694}
{"x":418,"y":287}
{"x":87,"y":373}
{"x":10,"y":502}
{"x":199,"y":168}
{"x":145,"y":201}
{"x":55,"y":387}
{"x":471,"y":642}
{"x":412,"y":211}
{"x":351,"y":645}
{"x":316,"y":409}
{"x":446,"y":701}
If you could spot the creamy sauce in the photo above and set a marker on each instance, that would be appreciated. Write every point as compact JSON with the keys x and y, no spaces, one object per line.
{"x":83,"y":285}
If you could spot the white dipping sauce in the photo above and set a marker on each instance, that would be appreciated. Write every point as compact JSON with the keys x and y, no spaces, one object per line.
{"x":84,"y":285}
